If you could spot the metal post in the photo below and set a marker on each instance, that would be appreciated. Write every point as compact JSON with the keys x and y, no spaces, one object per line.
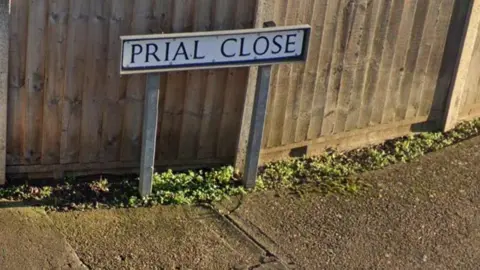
{"x":256,"y":126}
{"x":150,"y":117}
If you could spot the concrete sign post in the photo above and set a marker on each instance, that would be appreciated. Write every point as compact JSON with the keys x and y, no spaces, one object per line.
{"x":208,"y":50}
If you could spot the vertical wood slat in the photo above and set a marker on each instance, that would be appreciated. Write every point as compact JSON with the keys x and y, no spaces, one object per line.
{"x":319,"y":9}
{"x":162,"y":12}
{"x":35,"y":80}
{"x":277,"y":14}
{"x":283,"y":73}
{"x":375,"y":62}
{"x":235,"y":88}
{"x":54,"y":81}
{"x":171,"y":122}
{"x":227,"y":20}
{"x":292,"y":87}
{"x":356,"y":20}
{"x":133,"y":113}
{"x":453,"y":47}
{"x":382,"y":92}
{"x":399,"y":58}
{"x":194,"y":90}
{"x":365,"y":54}
{"x":93,"y":94}
{"x":215,"y":90}
{"x":4,"y":53}
{"x":410,"y":63}
{"x":112,"y":119}
{"x":16,"y":73}
{"x":74,"y":77}
{"x":422,"y":60}
{"x":343,"y":33}
{"x":435,"y":60}
{"x":324,"y":68}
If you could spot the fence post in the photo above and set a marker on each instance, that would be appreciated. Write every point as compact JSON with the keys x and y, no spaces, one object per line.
{"x":457,"y":87}
{"x":4,"y":47}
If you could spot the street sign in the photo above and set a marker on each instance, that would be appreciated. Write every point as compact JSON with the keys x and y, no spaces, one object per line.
{"x":201,"y":50}
{"x":217,"y":49}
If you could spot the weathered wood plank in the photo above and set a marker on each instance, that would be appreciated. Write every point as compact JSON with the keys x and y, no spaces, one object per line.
{"x":74,"y":79}
{"x":215,"y":91}
{"x":374,"y":66}
{"x":354,"y":22}
{"x":35,"y":80}
{"x":399,"y":59}
{"x":382,"y":91}
{"x":365,"y":54}
{"x":55,"y":80}
{"x":282,"y":84}
{"x":292,"y":85}
{"x":135,"y":89}
{"x":4,"y":53}
{"x":435,"y":60}
{"x":343,"y":34}
{"x":236,"y":88}
{"x":195,"y":90}
{"x":93,"y":90}
{"x":319,"y":9}
{"x":115,"y":85}
{"x":324,"y":69}
{"x":225,"y":145}
{"x":173,"y":108}
{"x":271,"y":134}
{"x":16,"y":124}
{"x":162,"y":23}
{"x":421,"y":63}
{"x":418,"y":26}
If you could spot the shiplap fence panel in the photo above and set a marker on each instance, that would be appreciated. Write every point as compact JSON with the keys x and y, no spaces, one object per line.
{"x":70,"y":108}
{"x":370,"y":64}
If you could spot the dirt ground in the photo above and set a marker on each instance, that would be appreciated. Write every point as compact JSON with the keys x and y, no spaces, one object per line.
{"x":420,"y":215}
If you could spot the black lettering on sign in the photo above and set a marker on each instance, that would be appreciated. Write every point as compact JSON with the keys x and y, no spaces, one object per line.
{"x":223,"y":47}
{"x":242,"y":51}
{"x":151,"y":53}
{"x":277,"y":44}
{"x":167,"y":50}
{"x":181,"y":51}
{"x":136,"y":52}
{"x":290,"y":43}
{"x":195,"y":52}
{"x":255,"y":46}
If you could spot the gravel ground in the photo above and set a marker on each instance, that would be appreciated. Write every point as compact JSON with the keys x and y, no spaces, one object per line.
{"x":420,"y":215}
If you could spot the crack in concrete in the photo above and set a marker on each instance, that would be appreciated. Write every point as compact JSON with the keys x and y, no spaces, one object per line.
{"x":267,"y":259}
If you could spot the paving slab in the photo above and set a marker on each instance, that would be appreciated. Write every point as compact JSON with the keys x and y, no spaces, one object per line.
{"x":420,"y":215}
{"x":158,"y":238}
{"x":28,"y":240}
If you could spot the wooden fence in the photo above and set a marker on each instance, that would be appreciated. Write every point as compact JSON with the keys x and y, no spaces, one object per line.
{"x":376,"y":69}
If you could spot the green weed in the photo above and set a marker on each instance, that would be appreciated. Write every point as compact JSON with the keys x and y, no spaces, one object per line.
{"x":328,"y":173}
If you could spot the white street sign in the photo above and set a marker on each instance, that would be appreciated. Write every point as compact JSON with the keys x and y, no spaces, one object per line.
{"x":217,"y":49}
